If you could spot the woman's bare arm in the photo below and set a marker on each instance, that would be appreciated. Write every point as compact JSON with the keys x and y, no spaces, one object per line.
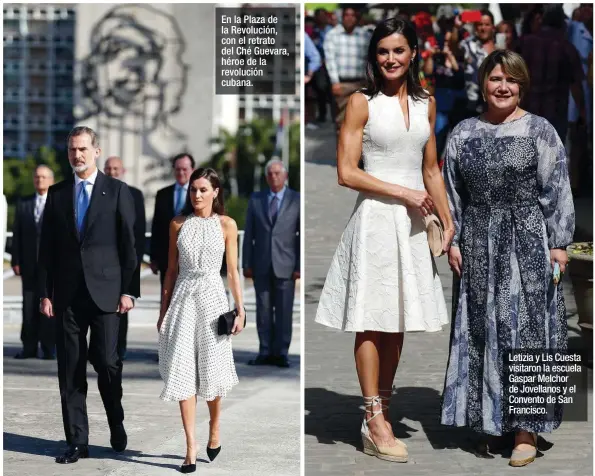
{"x":433,"y":178}
{"x":230,"y":230}
{"x":349,"y":151}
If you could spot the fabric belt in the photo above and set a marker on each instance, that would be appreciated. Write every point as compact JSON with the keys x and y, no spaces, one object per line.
{"x":199,"y":273}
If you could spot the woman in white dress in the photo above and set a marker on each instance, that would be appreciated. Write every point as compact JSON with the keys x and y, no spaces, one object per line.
{"x":193,"y":359}
{"x":382,"y":281}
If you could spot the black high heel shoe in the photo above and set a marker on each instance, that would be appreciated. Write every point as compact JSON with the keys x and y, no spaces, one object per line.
{"x":213,"y":452}
{"x":188,"y":468}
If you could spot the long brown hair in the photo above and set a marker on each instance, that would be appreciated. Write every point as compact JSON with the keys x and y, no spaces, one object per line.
{"x":213,"y":178}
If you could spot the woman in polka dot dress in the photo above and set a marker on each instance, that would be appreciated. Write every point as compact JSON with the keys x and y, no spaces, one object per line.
{"x":193,"y":359}
{"x":509,"y":193}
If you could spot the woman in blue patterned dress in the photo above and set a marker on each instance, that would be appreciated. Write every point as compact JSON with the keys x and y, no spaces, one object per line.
{"x":507,"y":183}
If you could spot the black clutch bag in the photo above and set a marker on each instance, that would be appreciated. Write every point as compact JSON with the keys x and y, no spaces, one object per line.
{"x":225,"y":322}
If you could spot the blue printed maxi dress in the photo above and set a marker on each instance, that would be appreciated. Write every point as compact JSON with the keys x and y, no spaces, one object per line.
{"x":510,"y":198}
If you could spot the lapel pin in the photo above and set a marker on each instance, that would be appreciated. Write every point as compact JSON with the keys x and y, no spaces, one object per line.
{"x":102,"y":193}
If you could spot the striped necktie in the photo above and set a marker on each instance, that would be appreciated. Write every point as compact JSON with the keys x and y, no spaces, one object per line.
{"x":274,"y":209}
{"x":38,"y":212}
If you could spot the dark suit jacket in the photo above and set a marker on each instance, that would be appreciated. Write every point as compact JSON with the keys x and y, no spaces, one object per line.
{"x":106,"y":257}
{"x":25,"y":241}
{"x":164,"y":213}
{"x":277,"y":246}
{"x":140,"y":224}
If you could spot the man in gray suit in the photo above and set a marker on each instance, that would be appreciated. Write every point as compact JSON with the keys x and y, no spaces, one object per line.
{"x":272,"y":259}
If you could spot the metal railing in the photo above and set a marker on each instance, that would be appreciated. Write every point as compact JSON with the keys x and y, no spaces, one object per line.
{"x":9,"y":273}
{"x":146,"y":258}
{"x":12,"y":303}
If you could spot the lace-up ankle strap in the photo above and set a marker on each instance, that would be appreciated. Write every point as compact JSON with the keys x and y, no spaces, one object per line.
{"x":385,"y":397}
{"x":370,"y":403}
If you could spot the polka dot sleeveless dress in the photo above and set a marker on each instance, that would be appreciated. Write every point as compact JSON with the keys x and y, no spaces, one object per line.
{"x":193,"y":359}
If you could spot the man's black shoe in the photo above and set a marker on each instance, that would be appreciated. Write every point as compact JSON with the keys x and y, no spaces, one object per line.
{"x":118,"y":438}
{"x":282,"y":361}
{"x":261,"y":360}
{"x":25,"y":355}
{"x":73,"y":454}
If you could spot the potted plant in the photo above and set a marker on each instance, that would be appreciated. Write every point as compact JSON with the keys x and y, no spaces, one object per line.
{"x":580,"y":270}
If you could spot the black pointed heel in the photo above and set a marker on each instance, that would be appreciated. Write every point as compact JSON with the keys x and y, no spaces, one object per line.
{"x":188,"y":468}
{"x":213,"y":452}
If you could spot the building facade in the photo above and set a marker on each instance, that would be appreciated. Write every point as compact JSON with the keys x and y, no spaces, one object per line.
{"x":38,"y":44}
{"x":141,"y":75}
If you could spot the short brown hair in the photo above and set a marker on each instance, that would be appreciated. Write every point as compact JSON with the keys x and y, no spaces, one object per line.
{"x":80,"y":130}
{"x":512,"y":63}
{"x":175,"y":158}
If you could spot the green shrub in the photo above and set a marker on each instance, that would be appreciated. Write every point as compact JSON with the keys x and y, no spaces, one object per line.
{"x":585,"y":248}
{"x":236,"y":208}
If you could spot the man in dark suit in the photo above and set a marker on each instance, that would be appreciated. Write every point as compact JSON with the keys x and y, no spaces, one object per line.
{"x":115,"y":168}
{"x":36,"y":327}
{"x":87,"y":275}
{"x":272,"y":258}
{"x":169,"y":203}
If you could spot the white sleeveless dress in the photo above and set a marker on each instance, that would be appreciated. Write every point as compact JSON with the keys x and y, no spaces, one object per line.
{"x":382,"y":276}
{"x":193,"y":359}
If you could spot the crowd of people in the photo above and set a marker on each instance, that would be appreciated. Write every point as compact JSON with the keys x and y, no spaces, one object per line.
{"x":78,"y":246}
{"x":452,"y":45}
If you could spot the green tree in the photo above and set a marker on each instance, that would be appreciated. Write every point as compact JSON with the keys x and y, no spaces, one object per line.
{"x":255,"y":140}
{"x":222,"y":159}
{"x":236,"y":208}
{"x":294,"y":156}
{"x":18,"y":176}
{"x":239,"y":154}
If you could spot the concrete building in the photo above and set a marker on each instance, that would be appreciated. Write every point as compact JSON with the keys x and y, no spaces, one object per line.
{"x":38,"y":44}
{"x":272,"y":105}
{"x":141,"y":75}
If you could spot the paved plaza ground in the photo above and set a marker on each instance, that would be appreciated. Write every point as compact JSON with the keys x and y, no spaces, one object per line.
{"x":260,"y":422}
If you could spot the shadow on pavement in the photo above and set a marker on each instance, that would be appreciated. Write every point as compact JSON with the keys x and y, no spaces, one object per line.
{"x":135,"y":365}
{"x":42,"y":447}
{"x":323,"y":146}
{"x":312,"y":291}
{"x":332,"y":418}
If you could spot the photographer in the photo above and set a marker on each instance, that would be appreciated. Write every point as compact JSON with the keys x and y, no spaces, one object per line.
{"x":445,"y":65}
{"x":477,"y":48}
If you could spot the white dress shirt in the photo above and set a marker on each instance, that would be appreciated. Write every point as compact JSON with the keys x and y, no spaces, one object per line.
{"x":280,"y":194}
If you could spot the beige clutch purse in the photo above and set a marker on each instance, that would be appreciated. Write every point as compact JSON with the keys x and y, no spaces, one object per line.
{"x":435,"y":232}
